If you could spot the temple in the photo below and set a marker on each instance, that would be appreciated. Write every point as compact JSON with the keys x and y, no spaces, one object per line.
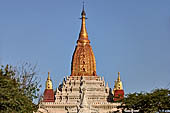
{"x":83,"y":91}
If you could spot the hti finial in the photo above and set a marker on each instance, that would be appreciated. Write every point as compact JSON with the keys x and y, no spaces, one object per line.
{"x":48,"y":76}
{"x":83,"y":11}
{"x":83,"y":36}
{"x":83,"y":5}
{"x":118,"y":76}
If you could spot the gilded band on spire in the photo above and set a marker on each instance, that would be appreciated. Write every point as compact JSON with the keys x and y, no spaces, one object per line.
{"x":83,"y":36}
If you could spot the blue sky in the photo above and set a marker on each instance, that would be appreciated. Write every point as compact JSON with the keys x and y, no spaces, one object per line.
{"x":129,"y":36}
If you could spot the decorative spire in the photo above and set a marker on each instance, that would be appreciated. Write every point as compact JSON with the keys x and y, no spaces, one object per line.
{"x":84,"y":103}
{"x":48,"y":76}
{"x":118,"y":83}
{"x":118,"y":79}
{"x":83,"y":60}
{"x":83,"y":14}
{"x":48,"y":93}
{"x":107,"y":84}
{"x":118,"y":91}
{"x":49,"y":82}
{"x":83,"y":36}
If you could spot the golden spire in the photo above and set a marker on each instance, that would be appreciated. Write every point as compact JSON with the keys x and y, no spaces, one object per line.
{"x":49,"y":82}
{"x":83,"y":36}
{"x":83,"y":60}
{"x":118,"y":83}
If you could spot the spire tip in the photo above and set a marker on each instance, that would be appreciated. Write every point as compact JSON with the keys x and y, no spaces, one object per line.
{"x":48,"y":76}
{"x":83,"y":11}
{"x":118,"y":76}
{"x":83,"y":5}
{"x":83,"y":36}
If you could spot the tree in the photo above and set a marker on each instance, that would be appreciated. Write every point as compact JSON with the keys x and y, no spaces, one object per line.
{"x":26,"y":75}
{"x":161,"y":99}
{"x":157,"y":100}
{"x":17,"y":94}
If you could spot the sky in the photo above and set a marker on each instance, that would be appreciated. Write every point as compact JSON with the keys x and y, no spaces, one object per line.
{"x":131,"y":37}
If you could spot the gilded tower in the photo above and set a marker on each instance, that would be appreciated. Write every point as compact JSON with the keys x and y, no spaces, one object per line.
{"x":83,"y":60}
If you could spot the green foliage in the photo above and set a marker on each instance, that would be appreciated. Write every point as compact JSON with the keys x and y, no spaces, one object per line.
{"x":14,"y":98}
{"x":156,"y":101}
